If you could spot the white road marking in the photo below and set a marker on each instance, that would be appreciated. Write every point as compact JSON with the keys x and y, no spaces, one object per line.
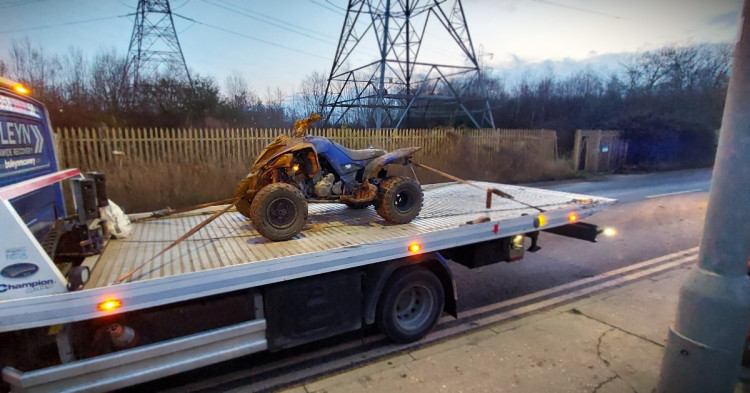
{"x":674,"y":193}
{"x":690,"y":252}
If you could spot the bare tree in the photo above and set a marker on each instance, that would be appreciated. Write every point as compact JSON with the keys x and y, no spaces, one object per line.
{"x":645,"y":70}
{"x":75,"y":77}
{"x":312,"y":89}
{"x":238,"y":91}
{"x":109,"y":90}
{"x":31,"y":66}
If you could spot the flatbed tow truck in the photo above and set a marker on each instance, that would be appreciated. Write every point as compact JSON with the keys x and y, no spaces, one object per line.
{"x":227,"y":291}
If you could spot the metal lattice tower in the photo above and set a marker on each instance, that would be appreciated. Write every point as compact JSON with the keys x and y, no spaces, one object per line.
{"x":154,"y":48}
{"x":405,"y":82}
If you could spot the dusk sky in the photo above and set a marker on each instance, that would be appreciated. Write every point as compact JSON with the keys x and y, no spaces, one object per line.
{"x":277,"y":43}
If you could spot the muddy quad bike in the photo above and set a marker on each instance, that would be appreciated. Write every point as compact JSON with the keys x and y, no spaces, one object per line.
{"x":294,"y":170}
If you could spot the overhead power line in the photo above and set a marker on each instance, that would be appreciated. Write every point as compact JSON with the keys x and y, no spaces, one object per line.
{"x":248,"y":14}
{"x":580,"y":9}
{"x":64,"y":24}
{"x":274,"y":44}
{"x":328,"y":7}
{"x":19,"y":2}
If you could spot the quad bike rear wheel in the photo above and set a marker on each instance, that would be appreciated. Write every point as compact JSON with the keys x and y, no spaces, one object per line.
{"x":399,"y":199}
{"x":278,"y":211}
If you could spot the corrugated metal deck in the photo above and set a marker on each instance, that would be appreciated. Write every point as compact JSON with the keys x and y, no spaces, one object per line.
{"x":231,"y":240}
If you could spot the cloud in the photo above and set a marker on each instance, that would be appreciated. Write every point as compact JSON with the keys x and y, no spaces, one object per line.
{"x":728,"y":19}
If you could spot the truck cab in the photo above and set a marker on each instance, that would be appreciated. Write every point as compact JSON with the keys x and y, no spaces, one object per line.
{"x":26,"y":152}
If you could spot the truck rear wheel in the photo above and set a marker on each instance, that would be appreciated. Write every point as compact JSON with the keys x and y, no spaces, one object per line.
{"x":410,"y":304}
{"x":399,"y":199}
{"x":278,"y":211}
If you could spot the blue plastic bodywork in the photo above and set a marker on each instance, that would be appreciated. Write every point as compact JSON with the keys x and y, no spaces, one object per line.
{"x":26,"y":152}
{"x":340,"y":162}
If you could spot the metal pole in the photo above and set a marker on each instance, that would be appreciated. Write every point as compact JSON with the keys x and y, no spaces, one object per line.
{"x":705,"y":343}
{"x":383,"y":53}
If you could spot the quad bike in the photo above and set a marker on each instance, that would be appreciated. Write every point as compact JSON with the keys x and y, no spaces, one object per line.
{"x":299,"y":169}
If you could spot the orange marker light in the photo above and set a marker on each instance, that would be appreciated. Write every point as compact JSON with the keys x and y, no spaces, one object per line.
{"x":295,"y":167}
{"x":540,"y":221}
{"x":415,"y":247}
{"x":110,"y":304}
{"x":572,"y":217}
{"x":21,"y":89}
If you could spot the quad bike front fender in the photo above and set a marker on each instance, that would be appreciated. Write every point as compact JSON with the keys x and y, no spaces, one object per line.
{"x":252,"y":183}
{"x":398,"y":156}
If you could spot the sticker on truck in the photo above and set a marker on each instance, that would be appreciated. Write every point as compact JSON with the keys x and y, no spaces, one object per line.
{"x":13,"y":105}
{"x":22,"y":145}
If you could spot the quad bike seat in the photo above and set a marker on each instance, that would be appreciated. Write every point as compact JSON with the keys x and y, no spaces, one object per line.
{"x":361,"y":155}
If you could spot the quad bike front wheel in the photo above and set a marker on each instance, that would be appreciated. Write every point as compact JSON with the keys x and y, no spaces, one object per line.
{"x":278,"y":211}
{"x":399,"y":199}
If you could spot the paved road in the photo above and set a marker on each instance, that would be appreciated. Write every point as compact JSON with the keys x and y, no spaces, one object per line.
{"x":657,"y":214}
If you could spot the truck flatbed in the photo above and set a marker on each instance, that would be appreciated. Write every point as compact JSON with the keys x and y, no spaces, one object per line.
{"x":228,"y":254}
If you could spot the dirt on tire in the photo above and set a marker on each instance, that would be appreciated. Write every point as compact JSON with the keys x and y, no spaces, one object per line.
{"x":399,"y":199}
{"x":278,"y":211}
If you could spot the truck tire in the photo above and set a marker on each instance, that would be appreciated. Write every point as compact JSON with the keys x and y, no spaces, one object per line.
{"x":410,"y":304}
{"x":399,"y":199}
{"x":278,"y":211}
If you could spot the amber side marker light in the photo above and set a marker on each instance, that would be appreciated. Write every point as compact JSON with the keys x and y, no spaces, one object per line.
{"x":415,"y":247}
{"x":109,"y":305}
{"x":572,"y":217}
{"x":540,"y":221}
{"x":295,"y":167}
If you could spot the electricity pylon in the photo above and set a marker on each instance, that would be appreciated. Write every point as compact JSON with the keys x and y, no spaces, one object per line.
{"x":154,"y":48}
{"x":404,"y":81}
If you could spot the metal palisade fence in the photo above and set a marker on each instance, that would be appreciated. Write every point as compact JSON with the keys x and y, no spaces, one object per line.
{"x":95,"y":148}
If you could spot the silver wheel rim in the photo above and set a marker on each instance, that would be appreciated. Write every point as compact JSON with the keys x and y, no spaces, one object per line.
{"x":414,"y":307}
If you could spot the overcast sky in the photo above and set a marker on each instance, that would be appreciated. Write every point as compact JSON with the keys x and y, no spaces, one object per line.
{"x":276,"y":43}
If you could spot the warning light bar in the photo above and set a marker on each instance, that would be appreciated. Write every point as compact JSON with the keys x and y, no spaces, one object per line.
{"x":9,"y":84}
